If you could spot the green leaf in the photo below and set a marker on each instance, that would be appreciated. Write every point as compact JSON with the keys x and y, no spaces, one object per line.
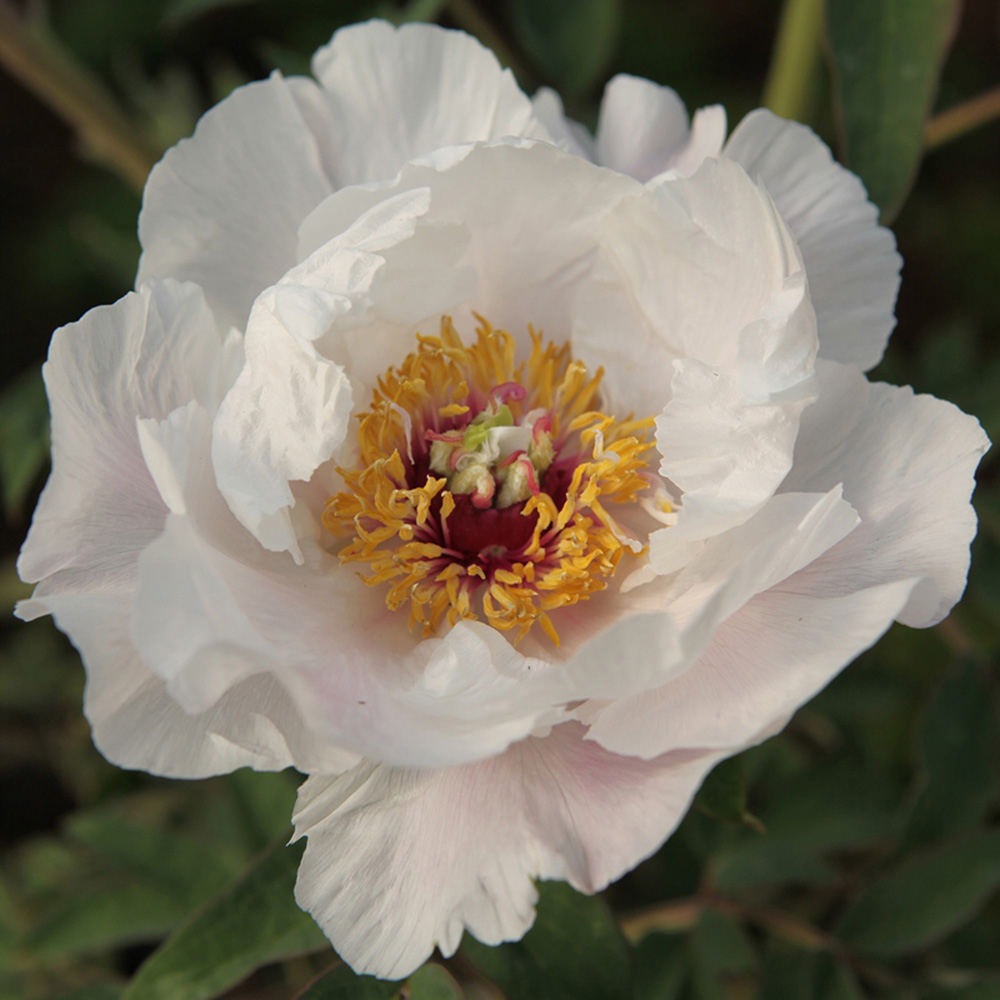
{"x":723,"y":959}
{"x":264,"y":801}
{"x":92,"y":991}
{"x":24,"y":438}
{"x":250,"y":924}
{"x":724,"y":794}
{"x":830,"y":807}
{"x":190,"y":871}
{"x":575,"y":951}
{"x":926,"y":898}
{"x":977,"y":991}
{"x":41,"y":671}
{"x":130,"y":883}
{"x":415,"y":10}
{"x":660,"y":968}
{"x":433,"y":982}
{"x":787,"y":972}
{"x":86,"y":923}
{"x":958,"y":757}
{"x":834,"y":981}
{"x":180,"y":12}
{"x":887,"y":57}
{"x":340,"y":983}
{"x":573,"y":50}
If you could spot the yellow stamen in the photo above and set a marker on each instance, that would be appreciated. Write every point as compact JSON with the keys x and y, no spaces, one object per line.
{"x":401,"y":530}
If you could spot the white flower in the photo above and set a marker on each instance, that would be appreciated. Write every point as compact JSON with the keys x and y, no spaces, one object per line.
{"x":584,"y":587}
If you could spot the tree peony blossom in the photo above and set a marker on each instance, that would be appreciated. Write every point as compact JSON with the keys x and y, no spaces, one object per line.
{"x":500,"y":477}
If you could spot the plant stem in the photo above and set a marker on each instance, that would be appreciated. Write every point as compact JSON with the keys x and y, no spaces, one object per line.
{"x":789,"y":85}
{"x":51,"y":73}
{"x":682,"y":915}
{"x":678,"y":915}
{"x":963,"y":118}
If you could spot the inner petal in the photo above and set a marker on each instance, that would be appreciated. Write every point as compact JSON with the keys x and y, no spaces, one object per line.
{"x":484,"y":482}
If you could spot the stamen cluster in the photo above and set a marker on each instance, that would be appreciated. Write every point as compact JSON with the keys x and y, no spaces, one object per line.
{"x":483,"y":484}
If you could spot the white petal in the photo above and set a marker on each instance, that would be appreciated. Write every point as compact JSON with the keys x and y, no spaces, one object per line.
{"x":145,"y":355}
{"x":205,"y":619}
{"x":289,"y":409}
{"x":728,"y":340}
{"x":189,"y":628}
{"x":394,"y":94}
{"x":850,"y":259}
{"x":660,"y":634}
{"x":765,"y":661}
{"x":708,"y":133}
{"x":717,"y":229}
{"x":643,"y":130}
{"x":907,"y":464}
{"x":137,"y":724}
{"x":223,"y":207}
{"x":528,"y":245}
{"x":186,"y":624}
{"x":400,"y":861}
{"x":570,"y":135}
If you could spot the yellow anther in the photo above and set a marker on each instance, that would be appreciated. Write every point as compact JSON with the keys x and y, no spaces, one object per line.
{"x":400,"y":527}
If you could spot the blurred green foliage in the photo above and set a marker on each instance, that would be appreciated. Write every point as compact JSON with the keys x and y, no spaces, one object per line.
{"x":887,"y":58}
{"x":855,"y":855}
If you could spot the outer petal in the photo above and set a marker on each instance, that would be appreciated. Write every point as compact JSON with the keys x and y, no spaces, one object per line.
{"x":766,"y":660}
{"x":394,"y":94}
{"x":907,"y":464}
{"x":399,"y":861}
{"x":850,"y":259}
{"x":567,"y":133}
{"x":136,"y":724}
{"x":643,"y":130}
{"x":143,"y":356}
{"x":121,"y":365}
{"x":463,"y":697}
{"x":664,"y":627}
{"x":223,"y":207}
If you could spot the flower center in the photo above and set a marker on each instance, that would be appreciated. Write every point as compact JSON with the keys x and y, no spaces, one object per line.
{"x":483,"y":485}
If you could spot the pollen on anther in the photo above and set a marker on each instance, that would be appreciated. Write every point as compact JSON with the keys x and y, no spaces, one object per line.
{"x":502,"y":537}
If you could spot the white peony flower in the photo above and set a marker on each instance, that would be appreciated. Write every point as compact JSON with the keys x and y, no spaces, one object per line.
{"x":501,"y":478}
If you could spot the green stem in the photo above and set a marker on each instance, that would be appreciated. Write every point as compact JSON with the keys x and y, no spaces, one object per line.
{"x":51,"y":73}
{"x":790,"y":79}
{"x":963,"y":118}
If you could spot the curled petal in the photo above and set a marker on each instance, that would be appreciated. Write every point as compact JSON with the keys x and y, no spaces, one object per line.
{"x":851,"y":260}
{"x":908,"y":464}
{"x":643,"y":130}
{"x":223,"y":207}
{"x":395,"y":94}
